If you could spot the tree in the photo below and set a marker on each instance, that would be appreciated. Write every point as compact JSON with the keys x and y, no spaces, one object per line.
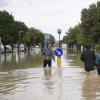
{"x":9,"y":29}
{"x":52,"y":40}
{"x":6,"y":22}
{"x":88,"y":31}
{"x":33,"y":37}
{"x":90,"y":22}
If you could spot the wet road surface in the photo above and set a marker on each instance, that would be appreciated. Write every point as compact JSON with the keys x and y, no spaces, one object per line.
{"x":26,"y":79}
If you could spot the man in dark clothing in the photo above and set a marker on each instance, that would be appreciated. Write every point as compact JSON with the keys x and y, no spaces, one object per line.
{"x":88,"y":57}
{"x":48,"y":56}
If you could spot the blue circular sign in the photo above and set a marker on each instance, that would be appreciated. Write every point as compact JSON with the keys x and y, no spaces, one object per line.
{"x":58,"y":52}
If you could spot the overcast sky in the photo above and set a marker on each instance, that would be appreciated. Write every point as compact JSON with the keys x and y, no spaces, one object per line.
{"x":47,"y":15}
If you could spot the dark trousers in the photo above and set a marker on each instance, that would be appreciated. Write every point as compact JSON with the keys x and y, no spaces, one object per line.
{"x":47,"y":62}
{"x":98,"y":69}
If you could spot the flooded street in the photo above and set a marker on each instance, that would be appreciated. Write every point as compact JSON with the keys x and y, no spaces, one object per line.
{"x":22,"y":77}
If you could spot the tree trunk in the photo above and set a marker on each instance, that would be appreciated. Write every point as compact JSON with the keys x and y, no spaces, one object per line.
{"x":28,"y":48}
{"x":12,"y":48}
{"x":4,"y":48}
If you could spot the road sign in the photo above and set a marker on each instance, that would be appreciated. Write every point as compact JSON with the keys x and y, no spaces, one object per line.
{"x":47,"y":36}
{"x":58,"y":52}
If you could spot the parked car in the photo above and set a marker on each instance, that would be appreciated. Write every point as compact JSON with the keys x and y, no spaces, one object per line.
{"x":22,"y":47}
{"x":8,"y":48}
{"x":37,"y":49}
{"x":37,"y":46}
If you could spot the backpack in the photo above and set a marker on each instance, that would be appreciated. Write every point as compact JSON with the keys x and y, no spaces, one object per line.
{"x":98,"y":60}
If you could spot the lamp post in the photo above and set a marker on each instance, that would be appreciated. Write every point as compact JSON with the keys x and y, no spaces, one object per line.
{"x":59,"y":32}
{"x":59,"y":57}
{"x":0,"y":56}
{"x":0,"y":46}
{"x":19,"y":39}
{"x":20,"y":36}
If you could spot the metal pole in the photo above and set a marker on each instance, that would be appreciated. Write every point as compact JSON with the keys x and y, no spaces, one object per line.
{"x":59,"y":32}
{"x":19,"y":40}
{"x":19,"y":37}
{"x":59,"y":58}
{"x":0,"y":56}
{"x":47,"y":37}
{"x":0,"y":46}
{"x":59,"y":40}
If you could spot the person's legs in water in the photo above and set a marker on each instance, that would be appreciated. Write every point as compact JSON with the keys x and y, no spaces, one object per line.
{"x":49,"y":63}
{"x":89,"y":70}
{"x":92,"y":70}
{"x":45,"y":63}
{"x":98,"y":70}
{"x":88,"y":73}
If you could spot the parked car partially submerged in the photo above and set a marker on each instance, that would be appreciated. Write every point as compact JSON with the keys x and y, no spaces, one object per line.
{"x":8,"y":48}
{"x":37,"y":49}
{"x":37,"y":46}
{"x":22,"y":47}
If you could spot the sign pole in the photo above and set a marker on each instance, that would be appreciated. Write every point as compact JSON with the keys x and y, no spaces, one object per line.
{"x":59,"y":57}
{"x":58,"y":53}
{"x":47,"y":37}
{"x":0,"y":47}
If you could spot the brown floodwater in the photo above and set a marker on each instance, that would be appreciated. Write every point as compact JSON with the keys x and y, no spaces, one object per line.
{"x":22,"y":77}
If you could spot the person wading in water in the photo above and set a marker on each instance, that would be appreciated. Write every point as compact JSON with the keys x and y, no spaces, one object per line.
{"x":48,"y":56}
{"x":88,"y":57}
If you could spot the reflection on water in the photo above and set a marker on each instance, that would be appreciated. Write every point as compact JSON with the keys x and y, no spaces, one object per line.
{"x":91,"y":88}
{"x":47,"y":72}
{"x":23,"y":77}
{"x":48,"y":83}
{"x":19,"y":61}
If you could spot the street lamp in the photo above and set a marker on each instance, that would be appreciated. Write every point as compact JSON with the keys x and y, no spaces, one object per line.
{"x":20,"y":36}
{"x":59,"y":52}
{"x":0,"y":56}
{"x":19,"y":39}
{"x":59,"y":32}
{"x":0,"y":46}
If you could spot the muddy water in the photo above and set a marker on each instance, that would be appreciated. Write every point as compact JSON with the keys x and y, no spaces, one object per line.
{"x":23,"y":78}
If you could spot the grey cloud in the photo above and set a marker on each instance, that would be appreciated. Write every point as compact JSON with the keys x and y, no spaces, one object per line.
{"x":3,"y":3}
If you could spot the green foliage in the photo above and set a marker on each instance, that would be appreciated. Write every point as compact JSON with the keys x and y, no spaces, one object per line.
{"x":91,"y":22}
{"x":33,"y":37}
{"x":6,"y":22}
{"x":9,"y":28}
{"x":11,"y":32}
{"x":71,"y":37}
{"x":64,"y":40}
{"x":88,"y":31}
{"x":52,"y":39}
